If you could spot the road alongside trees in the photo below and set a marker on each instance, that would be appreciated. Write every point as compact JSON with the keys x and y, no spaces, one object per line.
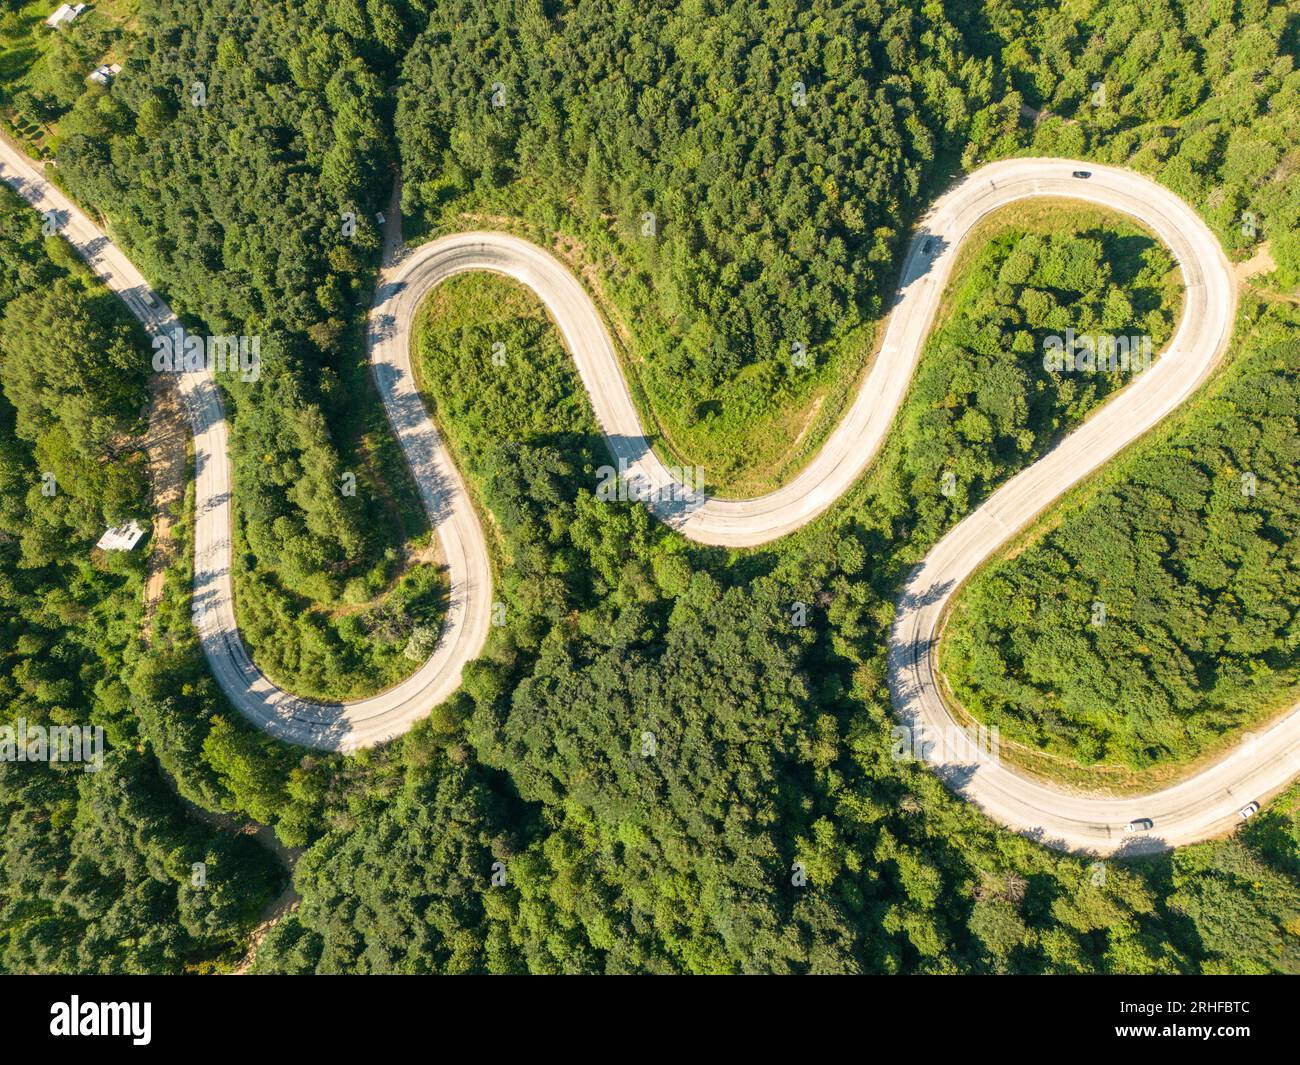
{"x":683,"y":863}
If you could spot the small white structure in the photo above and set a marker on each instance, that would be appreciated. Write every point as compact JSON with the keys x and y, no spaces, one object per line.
{"x":103,"y":75}
{"x":65,"y":15}
{"x":121,"y":537}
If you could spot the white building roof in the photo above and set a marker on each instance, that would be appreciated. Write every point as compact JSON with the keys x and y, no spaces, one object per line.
{"x":64,"y":14}
{"x":121,"y":537}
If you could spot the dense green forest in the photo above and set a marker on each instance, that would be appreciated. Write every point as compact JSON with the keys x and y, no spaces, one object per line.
{"x":741,"y":187}
{"x":777,"y":151}
{"x":675,"y":745}
{"x":1192,"y":548}
{"x":1202,"y":96}
{"x":652,"y":768}
{"x":98,"y":870}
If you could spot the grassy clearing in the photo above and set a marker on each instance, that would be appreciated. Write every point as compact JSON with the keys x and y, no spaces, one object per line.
{"x":43,"y":71}
{"x":493,"y":371}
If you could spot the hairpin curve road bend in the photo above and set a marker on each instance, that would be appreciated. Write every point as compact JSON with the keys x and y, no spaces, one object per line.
{"x":1200,"y":806}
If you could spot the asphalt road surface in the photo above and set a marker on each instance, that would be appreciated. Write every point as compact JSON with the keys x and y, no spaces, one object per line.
{"x":1200,"y":806}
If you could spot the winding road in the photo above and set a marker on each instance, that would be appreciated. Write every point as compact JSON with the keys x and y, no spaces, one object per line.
{"x":1202,"y":805}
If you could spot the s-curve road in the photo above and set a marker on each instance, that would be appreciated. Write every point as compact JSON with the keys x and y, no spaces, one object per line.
{"x":1200,"y":806}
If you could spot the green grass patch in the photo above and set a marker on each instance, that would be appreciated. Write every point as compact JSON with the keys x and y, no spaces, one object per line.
{"x":43,"y":71}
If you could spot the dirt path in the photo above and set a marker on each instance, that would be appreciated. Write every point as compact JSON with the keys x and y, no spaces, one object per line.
{"x":165,"y":447}
{"x":283,"y":903}
{"x":393,"y":246}
{"x":1260,"y":263}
